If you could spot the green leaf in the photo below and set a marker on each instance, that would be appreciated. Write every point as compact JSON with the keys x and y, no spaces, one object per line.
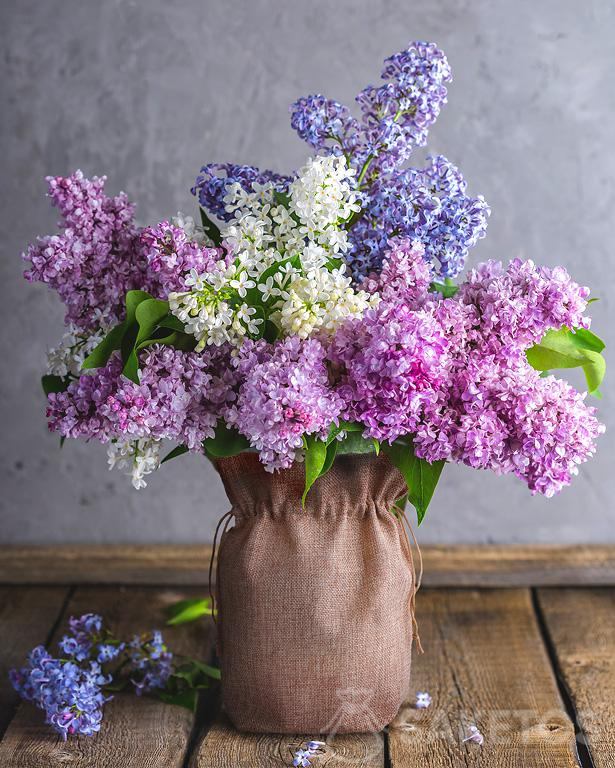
{"x":187,"y":698}
{"x":100,"y":355}
{"x":188,"y":610}
{"x":173,"y":323}
{"x":226,"y":442}
{"x":565,"y":349}
{"x":421,"y":477}
{"x":447,"y":288}
{"x":354,"y":442}
{"x":315,"y":458}
{"x":211,"y":230}
{"x":148,"y":314}
{"x":179,"y":450}
{"x":330,"y":457}
{"x":54,"y":384}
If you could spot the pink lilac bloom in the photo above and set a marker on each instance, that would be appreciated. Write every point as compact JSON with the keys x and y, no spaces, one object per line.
{"x":179,"y":397}
{"x":170,"y":256}
{"x":405,"y":276}
{"x":95,"y":259}
{"x":285,"y":394}
{"x":509,"y":419}
{"x":391,"y":363}
{"x":519,"y":303}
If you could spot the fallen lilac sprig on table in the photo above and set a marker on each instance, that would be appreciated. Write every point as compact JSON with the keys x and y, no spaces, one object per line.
{"x":303,"y":757}
{"x":73,"y":689}
{"x":475,"y":735}
{"x":423,"y":700}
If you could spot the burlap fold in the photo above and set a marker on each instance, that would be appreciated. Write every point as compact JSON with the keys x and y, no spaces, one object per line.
{"x":314,"y":622}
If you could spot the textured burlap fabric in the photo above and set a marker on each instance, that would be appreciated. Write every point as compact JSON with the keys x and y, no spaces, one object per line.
{"x":314,"y":622}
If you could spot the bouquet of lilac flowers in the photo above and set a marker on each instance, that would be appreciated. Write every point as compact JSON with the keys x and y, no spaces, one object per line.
{"x":317,"y":313}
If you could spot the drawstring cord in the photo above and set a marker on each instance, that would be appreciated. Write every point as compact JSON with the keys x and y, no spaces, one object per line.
{"x":416,"y":582}
{"x":226,"y":518}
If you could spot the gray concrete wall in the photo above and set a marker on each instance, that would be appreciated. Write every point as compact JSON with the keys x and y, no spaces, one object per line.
{"x":146,"y":91}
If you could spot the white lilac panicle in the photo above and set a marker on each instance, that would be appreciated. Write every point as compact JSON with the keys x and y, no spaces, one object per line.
{"x":138,"y":458}
{"x":67,"y":358}
{"x":301,"y":233}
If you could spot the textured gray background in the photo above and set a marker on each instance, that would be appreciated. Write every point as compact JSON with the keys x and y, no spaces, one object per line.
{"x":147,"y":91}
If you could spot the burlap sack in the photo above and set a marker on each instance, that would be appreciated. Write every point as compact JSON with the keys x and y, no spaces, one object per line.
{"x":314,"y":623}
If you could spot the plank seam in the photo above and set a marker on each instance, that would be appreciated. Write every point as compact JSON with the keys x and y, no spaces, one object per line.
{"x":207,"y":709}
{"x":584,"y":755}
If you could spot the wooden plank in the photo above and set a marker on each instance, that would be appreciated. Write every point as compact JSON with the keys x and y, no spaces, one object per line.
{"x":452,"y":566}
{"x":142,"y":732}
{"x":27,"y":616}
{"x":581,"y":624}
{"x":223,"y":747}
{"x":485,"y":664}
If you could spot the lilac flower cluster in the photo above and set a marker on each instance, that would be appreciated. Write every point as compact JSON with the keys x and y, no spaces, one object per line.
{"x":398,"y":114}
{"x":517,"y":305}
{"x":178,"y":398}
{"x":452,"y":373}
{"x":71,"y":691}
{"x":71,"y":695}
{"x":428,"y":204}
{"x":284,"y":395}
{"x":405,"y":276}
{"x":96,"y":258}
{"x":392,"y":363}
{"x":170,"y":255}
{"x":214,"y":178}
{"x":325,"y":123}
{"x":150,"y":662}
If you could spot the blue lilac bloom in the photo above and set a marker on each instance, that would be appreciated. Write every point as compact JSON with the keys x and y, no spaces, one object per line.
{"x":212,"y":182}
{"x":151,"y":663}
{"x":398,"y":114}
{"x":326,"y":124}
{"x":70,"y":694}
{"x":430,"y":205}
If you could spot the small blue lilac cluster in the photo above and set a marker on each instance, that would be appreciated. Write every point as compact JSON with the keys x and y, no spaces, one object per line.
{"x":214,"y":178}
{"x":151,"y":663}
{"x":72,"y":690}
{"x":426,"y":204}
{"x":325,"y":123}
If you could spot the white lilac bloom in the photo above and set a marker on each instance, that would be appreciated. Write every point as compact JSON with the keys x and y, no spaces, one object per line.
{"x":287,"y":247}
{"x":193,"y":231}
{"x":475,"y":735}
{"x":137,"y":458}
{"x":67,"y":358}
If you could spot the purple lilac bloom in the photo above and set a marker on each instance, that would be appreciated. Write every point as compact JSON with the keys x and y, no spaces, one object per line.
{"x":508,"y":418}
{"x":429,"y":205}
{"x":391,"y":364}
{"x":405,"y":276}
{"x":285,"y":395}
{"x":212,"y":181}
{"x":95,"y":259}
{"x":326,"y":124}
{"x":170,"y":256}
{"x":179,"y":397}
{"x":70,"y":695}
{"x":516,"y":305}
{"x":151,"y":663}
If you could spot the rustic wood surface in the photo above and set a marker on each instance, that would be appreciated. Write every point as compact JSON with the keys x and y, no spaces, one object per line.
{"x":140,"y":732}
{"x":223,"y":747}
{"x":455,"y":566}
{"x":528,"y":667}
{"x":27,"y":616}
{"x":485,"y":664}
{"x":581,"y":625}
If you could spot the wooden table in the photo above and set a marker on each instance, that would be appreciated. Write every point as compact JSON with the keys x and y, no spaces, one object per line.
{"x":519,"y":641}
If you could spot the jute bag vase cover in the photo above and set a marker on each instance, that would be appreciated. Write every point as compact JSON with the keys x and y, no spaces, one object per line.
{"x":315,"y":602}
